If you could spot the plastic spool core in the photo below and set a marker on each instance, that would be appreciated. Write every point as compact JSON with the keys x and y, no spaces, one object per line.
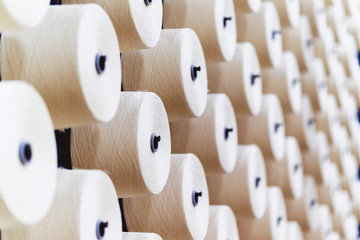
{"x":275,"y":33}
{"x":25,"y":153}
{"x":227,"y":132}
{"x":148,"y":2}
{"x":311,"y":121}
{"x":226,"y":19}
{"x":195,"y":197}
{"x":194,"y":72}
{"x":154,"y":143}
{"x":254,"y":77}
{"x":312,"y":203}
{"x":100,"y":63}
{"x":294,"y":82}
{"x":277,"y":126}
{"x":309,"y":43}
{"x":257,"y":182}
{"x":297,"y":167}
{"x":100,"y":229}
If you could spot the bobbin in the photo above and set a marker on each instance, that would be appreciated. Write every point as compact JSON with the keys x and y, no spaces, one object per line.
{"x":274,"y":223}
{"x":305,"y":209}
{"x":336,"y":21}
{"x":180,"y":81}
{"x":186,"y":177}
{"x":79,"y":82}
{"x":315,"y":160}
{"x":222,"y":223}
{"x":325,"y":50}
{"x":244,"y":189}
{"x":266,"y":130}
{"x":285,"y":83}
{"x":302,"y":125}
{"x":288,"y":174}
{"x":316,"y":13}
{"x":137,"y":22}
{"x":28,"y":155}
{"x":314,"y":84}
{"x":300,"y":41}
{"x":212,"y":137}
{"x":294,"y":231}
{"x":217,"y":34}
{"x":325,"y":225}
{"x":266,"y":37}
{"x":328,"y":122}
{"x":240,"y":79}
{"x":289,"y":12}
{"x":69,"y":217}
{"x":134,"y":148}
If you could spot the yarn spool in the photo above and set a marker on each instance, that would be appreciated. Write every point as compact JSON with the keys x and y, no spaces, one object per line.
{"x":287,"y":174}
{"x":140,"y":236}
{"x":300,"y":41}
{"x":314,"y":160}
{"x":265,"y":130}
{"x":316,"y":13}
{"x":212,"y":137}
{"x":351,"y":9}
{"x":346,"y":225}
{"x":328,"y":122}
{"x":222,"y":224}
{"x":285,"y":83}
{"x":350,"y":227}
{"x":355,"y":195}
{"x":217,"y":34}
{"x":266,"y":37}
{"x":289,"y":12}
{"x":325,"y":228}
{"x":137,"y":22}
{"x":85,"y":207}
{"x":302,"y":125}
{"x":346,"y":121}
{"x":354,"y":89}
{"x":355,"y":149}
{"x":79,"y":82}
{"x":347,"y":55}
{"x":273,"y":224}
{"x":337,"y":85}
{"x":326,"y":193}
{"x":29,"y":161}
{"x":246,"y":6}
{"x":244,"y":189}
{"x":339,"y":154}
{"x":354,"y":30}
{"x":134,"y":148}
{"x":305,"y":209}
{"x":342,"y":204}
{"x":314,"y":85}
{"x":332,"y":180}
{"x":19,"y":14}
{"x":180,"y":81}
{"x":325,"y":50}
{"x":336,"y":21}
{"x":185,"y":196}
{"x":350,"y":167}
{"x":240,"y":79}
{"x":294,"y":231}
